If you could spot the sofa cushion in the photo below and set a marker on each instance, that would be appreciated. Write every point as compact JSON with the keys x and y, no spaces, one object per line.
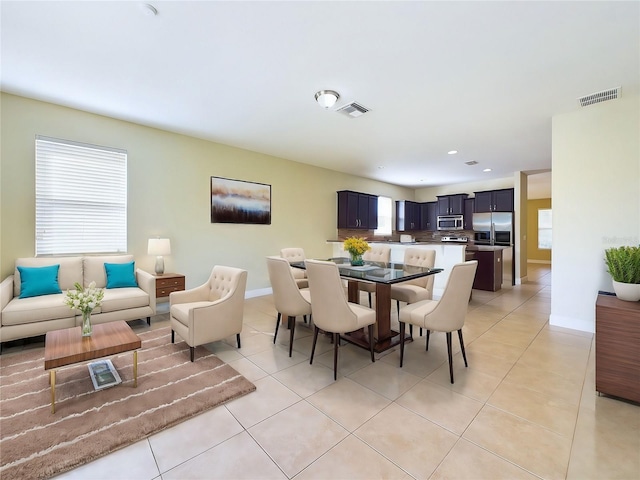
{"x":36,"y":281}
{"x":20,"y":311}
{"x":180,"y":311}
{"x":123,"y":298}
{"x":120,"y":275}
{"x":70,"y":270}
{"x":94,"y":268}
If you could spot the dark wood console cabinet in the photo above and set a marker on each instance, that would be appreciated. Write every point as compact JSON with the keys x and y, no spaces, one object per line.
{"x":618,"y":347}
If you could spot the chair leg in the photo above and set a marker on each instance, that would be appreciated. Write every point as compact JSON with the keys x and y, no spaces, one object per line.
{"x":398,"y":307}
{"x":411,"y":330}
{"x":369,"y":299}
{"x":173,"y":336}
{"x":277,"y":326}
{"x":402,"y":329}
{"x":450,"y":356}
{"x":149,"y":321}
{"x":304,"y":317}
{"x":193,"y":353}
{"x":313,"y":347}
{"x":371,"y":342}
{"x":292,"y":326}
{"x":428,"y":334}
{"x":464,"y":354}
{"x":238,"y":339}
{"x":335,"y":355}
{"x":420,"y":331}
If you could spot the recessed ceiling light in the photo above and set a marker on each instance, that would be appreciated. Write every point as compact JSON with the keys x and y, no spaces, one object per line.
{"x":486,"y":170}
{"x":381,"y":167}
{"x":452,"y":152}
{"x":148,"y":10}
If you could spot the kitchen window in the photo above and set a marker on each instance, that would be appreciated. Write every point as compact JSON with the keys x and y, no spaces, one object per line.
{"x":544,"y":229}
{"x":81,"y":198}
{"x":384,"y":216}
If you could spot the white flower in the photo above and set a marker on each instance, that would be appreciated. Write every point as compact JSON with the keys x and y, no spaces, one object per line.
{"x":84,"y":299}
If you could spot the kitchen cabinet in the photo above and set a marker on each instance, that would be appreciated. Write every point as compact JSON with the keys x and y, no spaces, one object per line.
{"x":494,"y":201}
{"x":357,"y":210}
{"x":429,"y":216}
{"x":407,"y":216}
{"x":469,"y":206}
{"x":489,"y":271}
{"x":451,"y":204}
{"x":618,"y":347}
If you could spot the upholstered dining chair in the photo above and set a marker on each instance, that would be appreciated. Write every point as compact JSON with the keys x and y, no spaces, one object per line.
{"x":413,"y":291}
{"x":290,"y":301}
{"x":211,"y":312}
{"x":332,"y":313}
{"x":444,"y":315}
{"x":295,"y":254}
{"x":378,"y":253}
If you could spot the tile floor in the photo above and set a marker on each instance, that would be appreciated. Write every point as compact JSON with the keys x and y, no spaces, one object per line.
{"x":525,"y":408}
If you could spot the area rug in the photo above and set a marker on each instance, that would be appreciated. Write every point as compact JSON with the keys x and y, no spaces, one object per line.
{"x":34,"y":443}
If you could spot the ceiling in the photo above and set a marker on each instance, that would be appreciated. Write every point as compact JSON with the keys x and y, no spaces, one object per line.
{"x":482,"y":78}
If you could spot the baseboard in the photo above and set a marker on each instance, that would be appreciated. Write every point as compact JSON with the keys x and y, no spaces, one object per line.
{"x":260,"y":292}
{"x":572,"y":323}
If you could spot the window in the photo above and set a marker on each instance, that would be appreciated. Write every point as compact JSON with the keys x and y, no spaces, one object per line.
{"x":384,"y":216}
{"x":544,"y":229}
{"x":81,"y":198}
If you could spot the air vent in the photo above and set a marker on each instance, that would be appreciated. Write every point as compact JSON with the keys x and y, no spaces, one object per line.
{"x":352,"y":110}
{"x":471,"y":162}
{"x":598,"y":97}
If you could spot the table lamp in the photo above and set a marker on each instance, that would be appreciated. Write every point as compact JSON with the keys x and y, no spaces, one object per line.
{"x":159,"y":247}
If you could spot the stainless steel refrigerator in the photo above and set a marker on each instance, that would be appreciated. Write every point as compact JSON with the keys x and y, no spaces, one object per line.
{"x":496,"y":228}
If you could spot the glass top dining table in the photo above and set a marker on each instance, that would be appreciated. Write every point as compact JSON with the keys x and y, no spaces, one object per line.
{"x":383,"y":275}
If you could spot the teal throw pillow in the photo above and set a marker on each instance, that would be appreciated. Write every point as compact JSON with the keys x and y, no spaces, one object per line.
{"x":36,"y":281}
{"x":120,"y":275}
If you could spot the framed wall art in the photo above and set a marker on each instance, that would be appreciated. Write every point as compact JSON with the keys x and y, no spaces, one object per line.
{"x":239,"y":201}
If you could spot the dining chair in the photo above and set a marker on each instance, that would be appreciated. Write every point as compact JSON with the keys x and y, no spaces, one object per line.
{"x":289,"y":300}
{"x":377,"y":253}
{"x":211,"y":312}
{"x":444,"y":315}
{"x":295,"y":254}
{"x":332,"y":313}
{"x":413,"y":291}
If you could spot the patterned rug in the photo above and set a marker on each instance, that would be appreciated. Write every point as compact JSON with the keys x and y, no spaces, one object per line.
{"x":34,"y":443}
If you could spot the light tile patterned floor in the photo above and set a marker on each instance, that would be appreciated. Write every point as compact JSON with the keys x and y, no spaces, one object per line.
{"x":525,"y":408}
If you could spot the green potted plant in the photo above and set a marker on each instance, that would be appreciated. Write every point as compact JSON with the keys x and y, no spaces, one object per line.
{"x":623,"y":264}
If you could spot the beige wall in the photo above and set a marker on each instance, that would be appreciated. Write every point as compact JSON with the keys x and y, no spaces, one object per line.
{"x":168,"y":193}
{"x":596,"y":202}
{"x":429,"y":194}
{"x":533,"y":252}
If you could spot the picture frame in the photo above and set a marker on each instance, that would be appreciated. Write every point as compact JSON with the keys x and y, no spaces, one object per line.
{"x":240,"y":201}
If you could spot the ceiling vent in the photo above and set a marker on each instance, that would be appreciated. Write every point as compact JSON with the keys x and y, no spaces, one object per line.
{"x":471,"y":162}
{"x":598,"y":97}
{"x":352,"y":110}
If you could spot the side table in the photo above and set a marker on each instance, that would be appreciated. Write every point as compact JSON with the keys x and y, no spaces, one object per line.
{"x":169,"y":282}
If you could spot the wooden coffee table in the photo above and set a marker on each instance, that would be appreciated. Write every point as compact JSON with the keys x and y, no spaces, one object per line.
{"x":68,"y":347}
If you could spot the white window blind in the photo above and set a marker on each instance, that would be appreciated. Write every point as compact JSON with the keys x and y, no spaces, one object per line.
{"x":81,"y":198}
{"x":384,"y":216}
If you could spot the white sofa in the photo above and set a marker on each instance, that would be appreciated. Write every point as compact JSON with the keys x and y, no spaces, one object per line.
{"x":29,"y":317}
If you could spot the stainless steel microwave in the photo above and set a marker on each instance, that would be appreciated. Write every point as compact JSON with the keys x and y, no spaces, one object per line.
{"x":450,"y":222}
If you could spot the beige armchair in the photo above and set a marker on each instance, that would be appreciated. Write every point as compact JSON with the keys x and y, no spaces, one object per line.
{"x":332,"y":312}
{"x":380,"y":254}
{"x":419,"y":289}
{"x":212,"y":311}
{"x":289,"y":299}
{"x":295,"y":254}
{"x":444,"y":315}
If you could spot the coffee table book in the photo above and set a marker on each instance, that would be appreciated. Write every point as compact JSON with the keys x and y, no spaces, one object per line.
{"x":103,"y":374}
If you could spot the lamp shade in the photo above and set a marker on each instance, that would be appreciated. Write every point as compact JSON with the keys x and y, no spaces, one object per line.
{"x":159,"y":246}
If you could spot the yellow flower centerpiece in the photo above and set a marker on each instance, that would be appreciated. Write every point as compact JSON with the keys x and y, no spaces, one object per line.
{"x":356,"y":247}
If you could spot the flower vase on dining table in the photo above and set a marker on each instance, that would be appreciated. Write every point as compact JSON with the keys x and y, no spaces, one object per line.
{"x":356,"y":260}
{"x":86,"y":324}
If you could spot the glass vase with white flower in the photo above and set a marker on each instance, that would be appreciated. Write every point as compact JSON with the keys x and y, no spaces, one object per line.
{"x":84,"y":300}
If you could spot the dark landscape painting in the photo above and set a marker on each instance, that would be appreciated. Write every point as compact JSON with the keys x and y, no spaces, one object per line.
{"x":237,"y":201}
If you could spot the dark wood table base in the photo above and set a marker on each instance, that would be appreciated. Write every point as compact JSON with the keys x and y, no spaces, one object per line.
{"x":361,"y":339}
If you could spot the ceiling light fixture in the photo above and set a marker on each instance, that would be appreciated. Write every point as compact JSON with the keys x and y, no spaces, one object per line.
{"x":327,"y":98}
{"x":452,"y":152}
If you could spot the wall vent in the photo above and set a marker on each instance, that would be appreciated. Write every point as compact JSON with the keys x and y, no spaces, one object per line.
{"x":471,"y":162}
{"x":598,"y":97}
{"x":352,"y":110}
